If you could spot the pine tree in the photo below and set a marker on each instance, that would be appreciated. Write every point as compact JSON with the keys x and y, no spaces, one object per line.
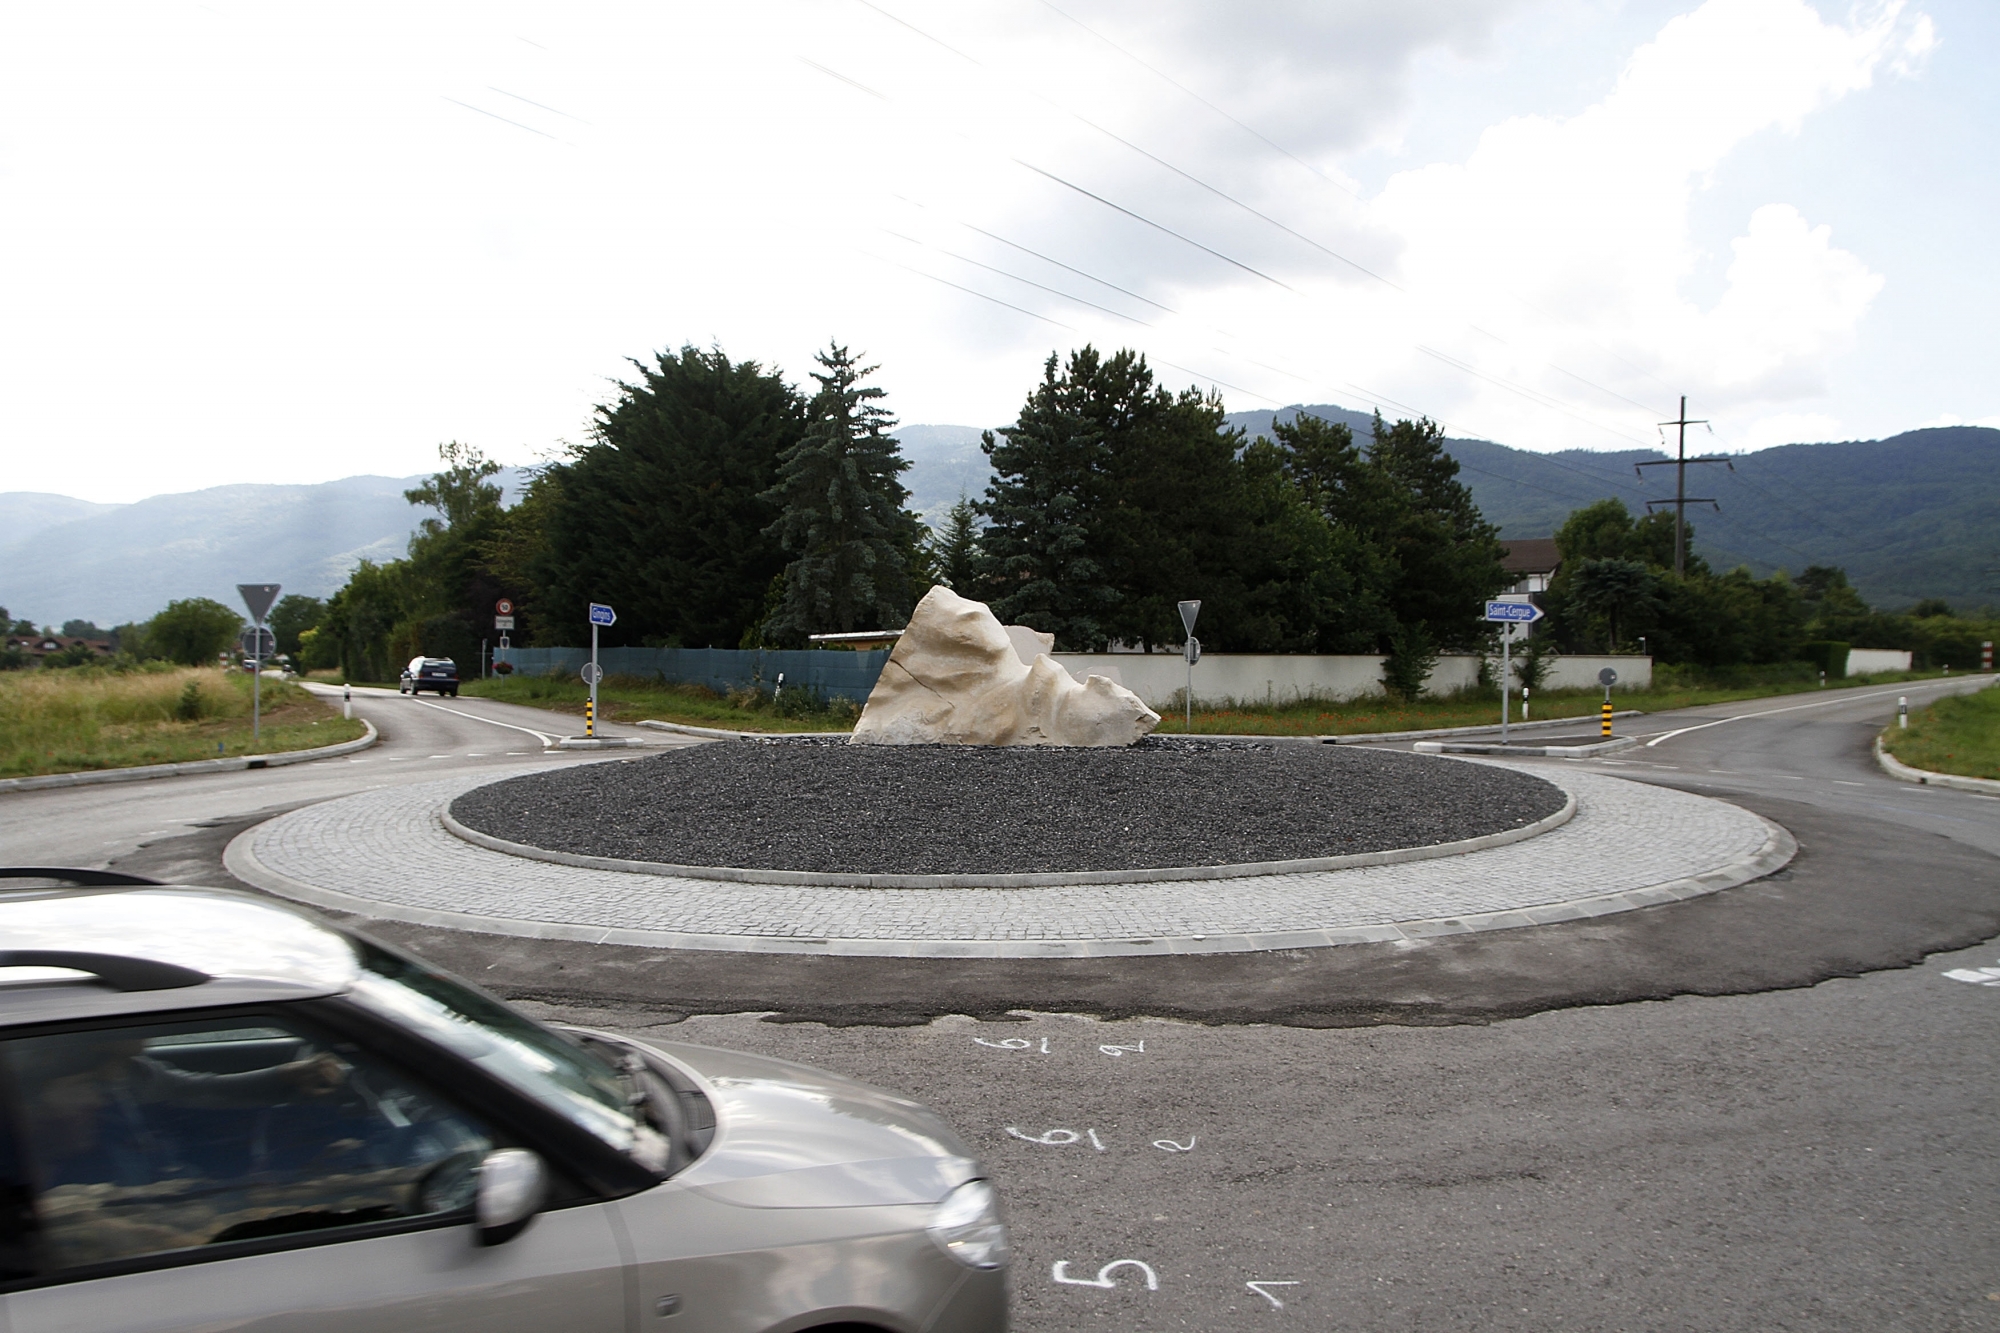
{"x":843,"y":516}
{"x":954,"y":548}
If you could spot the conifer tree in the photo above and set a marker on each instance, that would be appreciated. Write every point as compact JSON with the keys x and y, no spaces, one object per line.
{"x":954,"y":548}
{"x":843,"y":518}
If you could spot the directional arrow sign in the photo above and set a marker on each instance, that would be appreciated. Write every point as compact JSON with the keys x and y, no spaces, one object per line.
{"x":601,"y":614}
{"x":1521,"y":613}
{"x":258,"y":597}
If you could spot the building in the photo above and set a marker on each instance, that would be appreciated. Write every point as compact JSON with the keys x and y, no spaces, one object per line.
{"x":40,"y":646}
{"x":1532,"y":561}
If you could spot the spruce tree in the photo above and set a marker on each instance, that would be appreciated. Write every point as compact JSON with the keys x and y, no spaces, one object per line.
{"x":1045,"y":503}
{"x":842,"y":513}
{"x":954,"y":548}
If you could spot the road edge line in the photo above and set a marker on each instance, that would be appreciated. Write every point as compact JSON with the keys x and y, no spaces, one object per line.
{"x":193,"y":768}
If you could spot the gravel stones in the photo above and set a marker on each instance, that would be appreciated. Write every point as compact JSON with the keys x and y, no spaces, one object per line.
{"x":830,"y":807}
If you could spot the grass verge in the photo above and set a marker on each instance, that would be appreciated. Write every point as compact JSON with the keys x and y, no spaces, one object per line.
{"x":633,"y":698}
{"x":84,"y":718}
{"x":1475,"y":708}
{"x":1957,"y":735}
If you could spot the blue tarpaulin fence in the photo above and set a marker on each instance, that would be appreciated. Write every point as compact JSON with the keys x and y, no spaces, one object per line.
{"x":833,"y":674}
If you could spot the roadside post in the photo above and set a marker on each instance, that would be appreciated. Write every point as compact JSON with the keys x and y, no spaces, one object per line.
{"x":1903,"y":711}
{"x":1607,"y":678}
{"x":600,"y":614}
{"x":347,"y":703}
{"x":503,"y":621}
{"x":1189,"y":610}
{"x":258,"y":598}
{"x":1986,"y":656}
{"x":1507,"y":612}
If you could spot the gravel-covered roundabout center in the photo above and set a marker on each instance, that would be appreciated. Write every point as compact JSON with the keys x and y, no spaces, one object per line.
{"x":807,"y":810}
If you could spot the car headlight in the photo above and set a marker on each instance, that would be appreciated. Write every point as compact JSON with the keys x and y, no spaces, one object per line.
{"x":966,"y":1225}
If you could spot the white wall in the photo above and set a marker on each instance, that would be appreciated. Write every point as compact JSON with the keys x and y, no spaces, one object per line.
{"x":1255,"y":678}
{"x":1868,"y":661}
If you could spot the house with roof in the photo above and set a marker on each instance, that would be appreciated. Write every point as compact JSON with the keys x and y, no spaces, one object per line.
{"x":1532,"y":561}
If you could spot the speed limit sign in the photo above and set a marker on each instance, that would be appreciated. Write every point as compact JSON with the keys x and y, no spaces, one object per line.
{"x":503,"y":607}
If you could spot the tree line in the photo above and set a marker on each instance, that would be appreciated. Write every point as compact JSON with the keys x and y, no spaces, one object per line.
{"x":715,"y":505}
{"x":1616,"y":591}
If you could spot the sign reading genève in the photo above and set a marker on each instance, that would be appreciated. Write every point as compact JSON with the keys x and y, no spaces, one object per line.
{"x":1519,"y":613}
{"x":601,"y":614}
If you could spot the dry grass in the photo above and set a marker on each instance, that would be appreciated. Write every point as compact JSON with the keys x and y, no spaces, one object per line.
{"x":66,"y":721}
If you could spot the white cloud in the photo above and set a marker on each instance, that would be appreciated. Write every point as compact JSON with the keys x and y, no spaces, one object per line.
{"x":1786,"y":428}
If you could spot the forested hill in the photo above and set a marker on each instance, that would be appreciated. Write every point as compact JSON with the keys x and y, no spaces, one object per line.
{"x":1915,"y":515}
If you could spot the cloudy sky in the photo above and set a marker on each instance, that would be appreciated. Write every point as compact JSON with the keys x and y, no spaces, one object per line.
{"x":293,"y":242}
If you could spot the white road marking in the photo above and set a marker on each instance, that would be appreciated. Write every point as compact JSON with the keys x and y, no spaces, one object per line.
{"x":544,"y":737}
{"x":1104,"y":1279}
{"x":1790,"y":708}
{"x":1843,"y":782}
{"x":1262,"y":1283}
{"x":1978,"y":976}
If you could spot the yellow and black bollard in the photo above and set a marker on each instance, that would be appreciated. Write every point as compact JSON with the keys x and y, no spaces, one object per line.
{"x":590,"y":718}
{"x":1605,"y":726}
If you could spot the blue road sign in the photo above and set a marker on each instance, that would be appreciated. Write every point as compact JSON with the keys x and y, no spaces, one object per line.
{"x":601,"y":614}
{"x":1520,"y":613}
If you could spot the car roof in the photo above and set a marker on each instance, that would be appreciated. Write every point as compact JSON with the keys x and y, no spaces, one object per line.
{"x":142,"y":950}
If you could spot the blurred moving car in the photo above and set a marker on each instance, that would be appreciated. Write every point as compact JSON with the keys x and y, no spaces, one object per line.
{"x":219,"y":1112}
{"x":430,"y":673}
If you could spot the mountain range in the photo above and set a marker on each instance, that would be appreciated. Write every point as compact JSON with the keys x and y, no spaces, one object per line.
{"x":1908,"y":517}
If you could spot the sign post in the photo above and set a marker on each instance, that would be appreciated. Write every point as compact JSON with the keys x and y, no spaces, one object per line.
{"x":1507,"y":612}
{"x":1189,"y":610}
{"x":600,"y":614}
{"x":258,"y":598}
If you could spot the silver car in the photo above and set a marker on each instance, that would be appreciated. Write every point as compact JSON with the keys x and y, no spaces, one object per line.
{"x":220,"y":1113}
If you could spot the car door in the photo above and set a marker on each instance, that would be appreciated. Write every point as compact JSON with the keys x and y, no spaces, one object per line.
{"x":242,"y":1172}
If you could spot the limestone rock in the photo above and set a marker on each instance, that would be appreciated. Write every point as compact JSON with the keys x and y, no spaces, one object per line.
{"x":959,"y":677}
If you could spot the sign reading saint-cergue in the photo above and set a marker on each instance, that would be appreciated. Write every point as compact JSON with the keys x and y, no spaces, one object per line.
{"x":600,"y":614}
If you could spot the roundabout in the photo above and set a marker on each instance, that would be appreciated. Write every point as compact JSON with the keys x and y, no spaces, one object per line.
{"x":1620,"y":846}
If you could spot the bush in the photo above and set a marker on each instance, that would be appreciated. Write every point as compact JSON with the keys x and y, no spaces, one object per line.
{"x":1412,"y":656}
{"x":1828,"y":655}
{"x":188,"y":709}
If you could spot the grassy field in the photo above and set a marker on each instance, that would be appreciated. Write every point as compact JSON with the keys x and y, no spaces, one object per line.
{"x":67,"y":721}
{"x":1957,"y":735}
{"x":632,"y":698}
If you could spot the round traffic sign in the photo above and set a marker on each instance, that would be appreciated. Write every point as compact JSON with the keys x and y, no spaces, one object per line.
{"x":1607,"y":677}
{"x":503,"y":607}
{"x":592,"y":673}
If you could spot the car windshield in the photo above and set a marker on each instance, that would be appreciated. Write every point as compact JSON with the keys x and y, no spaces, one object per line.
{"x":556,"y":1072}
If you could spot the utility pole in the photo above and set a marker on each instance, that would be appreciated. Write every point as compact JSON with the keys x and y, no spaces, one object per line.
{"x":1682,"y":499}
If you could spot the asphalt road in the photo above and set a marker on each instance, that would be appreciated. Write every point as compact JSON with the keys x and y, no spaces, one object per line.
{"x":1765,"y":1109}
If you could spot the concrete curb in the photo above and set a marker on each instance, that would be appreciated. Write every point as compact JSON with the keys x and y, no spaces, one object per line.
{"x":737,"y":875}
{"x":148,"y":771}
{"x":719,"y":734}
{"x":1778,"y":849}
{"x":1902,"y":772}
{"x":1364,"y":738}
{"x":598,"y":743}
{"x":1546,"y":751}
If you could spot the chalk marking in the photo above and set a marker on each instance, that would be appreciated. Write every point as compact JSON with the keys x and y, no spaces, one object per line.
{"x":1095,"y":1142}
{"x":1168,"y":1145}
{"x":1259,"y":1286}
{"x":1104,"y":1279}
{"x":1010,"y":1044}
{"x":1978,"y":976}
{"x":1045,"y":1045}
{"x":1137,"y":1048}
{"x":1050,"y":1138}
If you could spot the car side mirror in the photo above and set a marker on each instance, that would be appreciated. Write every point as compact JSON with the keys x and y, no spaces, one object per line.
{"x":512,"y":1185}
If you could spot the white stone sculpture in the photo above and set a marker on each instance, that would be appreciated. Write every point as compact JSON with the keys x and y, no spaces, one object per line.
{"x":959,"y":677}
